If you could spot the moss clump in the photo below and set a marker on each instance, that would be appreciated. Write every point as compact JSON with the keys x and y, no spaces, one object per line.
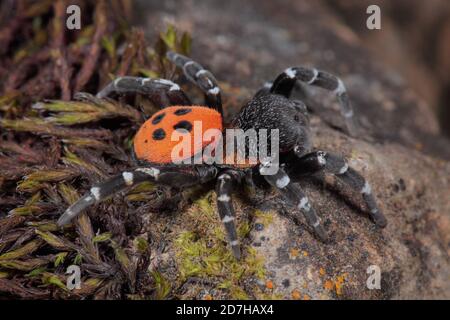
{"x":162,"y":286}
{"x":203,"y":253}
{"x":56,"y":142}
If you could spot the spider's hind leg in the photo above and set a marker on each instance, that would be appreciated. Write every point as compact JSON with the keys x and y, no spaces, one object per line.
{"x":295,"y":196}
{"x":285,"y":83}
{"x":319,"y":160}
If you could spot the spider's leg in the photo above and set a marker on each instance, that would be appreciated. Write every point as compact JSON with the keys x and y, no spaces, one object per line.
{"x":265,"y":89}
{"x":162,"y":92}
{"x":295,"y":196}
{"x":175,"y":176}
{"x":224,"y":187}
{"x":320,"y":160}
{"x":201,"y":77}
{"x":285,"y":82}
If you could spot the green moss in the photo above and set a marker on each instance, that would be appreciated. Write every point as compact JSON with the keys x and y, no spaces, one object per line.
{"x":30,"y":207}
{"x":265,"y":218}
{"x":203,"y":252}
{"x":59,"y":258}
{"x":102,"y":237}
{"x":52,"y":279}
{"x":162,"y":286}
{"x":141,"y":244}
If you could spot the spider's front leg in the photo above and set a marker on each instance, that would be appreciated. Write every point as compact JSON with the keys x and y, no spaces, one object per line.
{"x":162,"y":92}
{"x":227,"y":214}
{"x":201,"y":77}
{"x":295,"y":197}
{"x":320,"y":160}
{"x":285,"y":83}
{"x":171,"y":176}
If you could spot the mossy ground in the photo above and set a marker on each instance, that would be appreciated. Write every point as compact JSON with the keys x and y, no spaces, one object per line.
{"x":203,"y":259}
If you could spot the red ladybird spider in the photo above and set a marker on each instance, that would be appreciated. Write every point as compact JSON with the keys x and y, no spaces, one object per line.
{"x":269,"y":109}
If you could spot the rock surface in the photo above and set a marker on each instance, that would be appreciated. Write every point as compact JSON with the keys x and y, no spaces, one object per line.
{"x":399,"y":149}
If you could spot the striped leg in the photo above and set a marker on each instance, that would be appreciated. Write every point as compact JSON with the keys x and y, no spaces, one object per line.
{"x":200,"y":77}
{"x":162,"y":92}
{"x":285,"y":82}
{"x":177,"y":177}
{"x":320,"y":160}
{"x":226,"y":211}
{"x":296,"y":197}
{"x":265,"y":89}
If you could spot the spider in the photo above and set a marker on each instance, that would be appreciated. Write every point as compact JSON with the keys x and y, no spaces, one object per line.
{"x":270,"y":108}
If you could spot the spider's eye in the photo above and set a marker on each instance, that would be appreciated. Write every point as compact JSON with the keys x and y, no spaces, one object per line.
{"x":296,"y":118}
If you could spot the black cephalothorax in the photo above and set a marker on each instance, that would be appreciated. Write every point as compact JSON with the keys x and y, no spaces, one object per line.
{"x":270,"y":108}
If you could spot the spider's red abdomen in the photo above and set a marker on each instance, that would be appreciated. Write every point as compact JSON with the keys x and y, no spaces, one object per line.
{"x":153,"y":141}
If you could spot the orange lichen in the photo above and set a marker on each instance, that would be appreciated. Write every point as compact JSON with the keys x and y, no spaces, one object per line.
{"x":306,"y":297}
{"x":293,"y":253}
{"x":338,"y":288}
{"x":322,"y":271}
{"x":207,"y":297}
{"x":329,"y":285}
{"x":305,"y":253}
{"x":269,"y":284}
{"x":295,"y":294}
{"x":339,"y":283}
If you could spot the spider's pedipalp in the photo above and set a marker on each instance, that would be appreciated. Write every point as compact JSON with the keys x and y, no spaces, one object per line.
{"x":162,"y":92}
{"x":285,"y":83}
{"x":226,"y":211}
{"x":201,"y":77}
{"x":311,"y":163}
{"x":296,"y":197}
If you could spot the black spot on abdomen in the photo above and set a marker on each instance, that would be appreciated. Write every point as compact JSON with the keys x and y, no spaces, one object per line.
{"x":186,"y":125}
{"x":158,"y":118}
{"x":159,"y":134}
{"x":182,"y":111}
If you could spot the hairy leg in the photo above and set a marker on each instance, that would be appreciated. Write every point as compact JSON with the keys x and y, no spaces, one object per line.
{"x":285,"y":82}
{"x":296,"y":197}
{"x":162,"y":92}
{"x":201,"y":77}
{"x":178,"y":177}
{"x":319,"y":160}
{"x":227,"y":214}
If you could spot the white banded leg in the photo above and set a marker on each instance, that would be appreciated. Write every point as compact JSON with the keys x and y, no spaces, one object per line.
{"x":201,"y":77}
{"x":321,"y":160}
{"x":100,"y":192}
{"x":285,"y":82}
{"x":357,"y":182}
{"x":160,"y":91}
{"x":296,"y":197}
{"x":176,"y":177}
{"x":226,"y":211}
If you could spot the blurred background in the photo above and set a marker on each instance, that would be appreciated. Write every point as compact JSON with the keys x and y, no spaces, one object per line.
{"x":414,"y":39}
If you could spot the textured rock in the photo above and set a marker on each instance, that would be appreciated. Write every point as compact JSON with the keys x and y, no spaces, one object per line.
{"x":399,"y":149}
